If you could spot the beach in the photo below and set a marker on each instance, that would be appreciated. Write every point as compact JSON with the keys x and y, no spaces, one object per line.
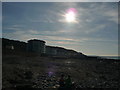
{"x":84,"y":72}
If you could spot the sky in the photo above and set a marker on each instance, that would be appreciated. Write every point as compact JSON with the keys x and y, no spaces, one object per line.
{"x":0,"y":19}
{"x":93,"y":32}
{"x":60,"y":0}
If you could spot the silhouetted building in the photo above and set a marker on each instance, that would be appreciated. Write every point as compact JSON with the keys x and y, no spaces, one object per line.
{"x":37,"y":46}
{"x":55,"y":51}
{"x":61,"y":51}
{"x":13,"y":45}
{"x":71,"y":52}
{"x":50,"y":50}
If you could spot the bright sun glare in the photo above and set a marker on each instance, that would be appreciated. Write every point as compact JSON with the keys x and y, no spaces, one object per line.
{"x":70,"y":15}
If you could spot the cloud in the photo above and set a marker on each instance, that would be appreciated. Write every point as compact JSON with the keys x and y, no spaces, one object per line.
{"x":28,"y":34}
{"x":43,"y":20}
{"x":11,"y":28}
{"x":96,"y":28}
{"x":64,"y":21}
{"x":17,"y":26}
{"x":102,"y":11}
{"x":95,"y":24}
{"x":113,"y":15}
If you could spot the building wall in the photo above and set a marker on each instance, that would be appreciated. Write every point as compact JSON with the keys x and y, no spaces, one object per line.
{"x":36,"y":46}
{"x":59,"y":51}
{"x":51,"y":50}
{"x":13,"y":45}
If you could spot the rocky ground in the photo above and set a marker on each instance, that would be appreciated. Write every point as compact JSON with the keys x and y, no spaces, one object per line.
{"x":44,"y":72}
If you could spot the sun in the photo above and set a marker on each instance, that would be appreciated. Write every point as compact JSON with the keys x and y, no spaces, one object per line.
{"x":70,"y":15}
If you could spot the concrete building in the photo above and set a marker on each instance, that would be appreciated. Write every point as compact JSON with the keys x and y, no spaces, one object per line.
{"x":50,"y":50}
{"x":37,"y":46}
{"x":61,"y":51}
{"x":56,"y":51}
{"x":71,"y":52}
{"x":13,"y":45}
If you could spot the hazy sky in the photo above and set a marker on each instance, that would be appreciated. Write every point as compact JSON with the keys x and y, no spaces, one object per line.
{"x":94,"y":32}
{"x":0,"y":19}
{"x":60,"y":0}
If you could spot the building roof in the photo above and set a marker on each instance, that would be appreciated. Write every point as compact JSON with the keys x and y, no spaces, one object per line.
{"x":36,"y":40}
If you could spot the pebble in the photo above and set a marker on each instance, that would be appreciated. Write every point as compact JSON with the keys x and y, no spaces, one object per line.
{"x":46,"y":81}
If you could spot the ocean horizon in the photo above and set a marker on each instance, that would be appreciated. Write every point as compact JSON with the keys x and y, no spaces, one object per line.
{"x":108,"y":57}
{"x":111,"y":57}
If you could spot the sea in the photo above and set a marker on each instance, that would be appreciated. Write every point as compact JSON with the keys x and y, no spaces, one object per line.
{"x":111,"y":57}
